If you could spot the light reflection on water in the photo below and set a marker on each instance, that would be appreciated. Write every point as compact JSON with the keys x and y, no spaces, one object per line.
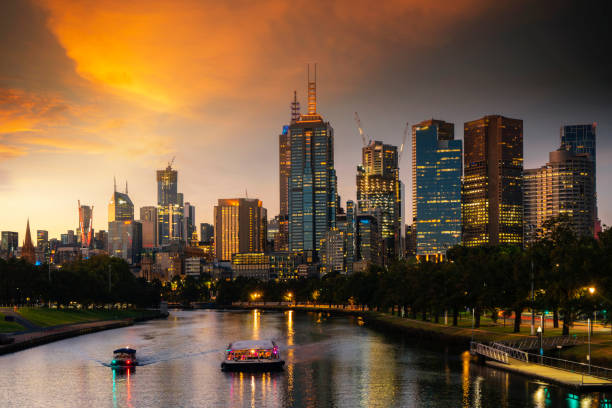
{"x":331,"y":361}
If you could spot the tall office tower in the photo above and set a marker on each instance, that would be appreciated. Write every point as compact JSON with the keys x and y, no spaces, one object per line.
{"x":492,"y":196}
{"x":332,"y":251}
{"x":206,"y":232}
{"x":582,"y":139}
{"x":28,"y":253}
{"x":9,"y":243}
{"x":312,"y":178}
{"x":125,"y":240}
{"x":85,"y":225}
{"x":367,"y":239}
{"x":42,"y":239}
{"x":349,"y":246}
{"x":101,"y":240}
{"x":240,"y":226}
{"x":281,"y":241}
{"x":190,"y":232}
{"x":148,"y":219}
{"x":379,"y":190}
{"x":564,"y":186}
{"x":436,"y":188}
{"x":120,"y":207}
{"x":170,"y":206}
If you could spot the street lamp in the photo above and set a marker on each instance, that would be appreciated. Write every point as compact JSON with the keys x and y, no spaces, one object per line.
{"x":540,"y":335}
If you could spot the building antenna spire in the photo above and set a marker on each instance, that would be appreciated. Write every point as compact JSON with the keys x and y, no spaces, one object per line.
{"x":126,"y":190}
{"x":295,"y":108}
{"x":114,"y":184}
{"x":312,"y":92}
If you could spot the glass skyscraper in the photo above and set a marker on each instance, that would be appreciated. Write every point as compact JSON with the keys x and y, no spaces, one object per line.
{"x":379,"y":190}
{"x":312,"y":179}
{"x":169,"y":207}
{"x":580,"y":139}
{"x":492,"y":197}
{"x":437,"y":171}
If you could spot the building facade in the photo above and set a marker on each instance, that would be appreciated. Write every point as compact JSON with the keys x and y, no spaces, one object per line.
{"x":379,"y":190}
{"x":565,"y":186}
{"x":148,"y":219}
{"x":42,"y":239}
{"x":190,"y":232}
{"x":492,"y":196}
{"x":368,"y":245}
{"x":125,"y":240}
{"x":207,"y":232}
{"x":240,"y":227}
{"x":436,"y":186}
{"x":312,"y":178}
{"x":85,"y":225}
{"x":169,"y":207}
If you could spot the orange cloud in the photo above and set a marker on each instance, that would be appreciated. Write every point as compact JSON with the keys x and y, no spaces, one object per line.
{"x":177,"y":56}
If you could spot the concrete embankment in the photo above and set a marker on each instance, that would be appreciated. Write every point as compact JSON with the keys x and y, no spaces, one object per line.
{"x":30,"y":339}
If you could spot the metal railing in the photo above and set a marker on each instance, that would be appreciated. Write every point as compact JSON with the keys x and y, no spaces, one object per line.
{"x":512,"y":352}
{"x":488,"y":351}
{"x":533,"y":343}
{"x":572,"y":366}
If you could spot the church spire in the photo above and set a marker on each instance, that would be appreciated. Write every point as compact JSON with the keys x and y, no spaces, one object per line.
{"x":27,"y":249}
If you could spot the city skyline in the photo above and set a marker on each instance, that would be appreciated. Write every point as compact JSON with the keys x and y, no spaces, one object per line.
{"x":69,"y":116}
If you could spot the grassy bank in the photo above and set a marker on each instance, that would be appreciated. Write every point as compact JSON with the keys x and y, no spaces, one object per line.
{"x":8,"y":327}
{"x":46,"y":317}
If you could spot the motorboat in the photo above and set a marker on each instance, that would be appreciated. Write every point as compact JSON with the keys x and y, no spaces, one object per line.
{"x":252,"y":355}
{"x":124,"y":357}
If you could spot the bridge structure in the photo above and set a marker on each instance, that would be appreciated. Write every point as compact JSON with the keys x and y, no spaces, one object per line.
{"x":567,"y":373}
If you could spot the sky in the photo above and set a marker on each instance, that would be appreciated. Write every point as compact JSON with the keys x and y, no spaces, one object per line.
{"x":92,"y":90}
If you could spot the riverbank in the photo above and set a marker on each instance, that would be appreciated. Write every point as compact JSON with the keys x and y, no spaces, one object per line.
{"x":48,"y":334}
{"x":459,"y":336}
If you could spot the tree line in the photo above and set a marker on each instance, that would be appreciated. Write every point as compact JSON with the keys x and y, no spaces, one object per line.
{"x":490,"y":280}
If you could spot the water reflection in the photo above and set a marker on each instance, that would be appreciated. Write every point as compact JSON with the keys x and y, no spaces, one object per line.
{"x":331,"y":361}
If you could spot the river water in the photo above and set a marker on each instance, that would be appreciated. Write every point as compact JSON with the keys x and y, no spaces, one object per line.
{"x":332,"y":361}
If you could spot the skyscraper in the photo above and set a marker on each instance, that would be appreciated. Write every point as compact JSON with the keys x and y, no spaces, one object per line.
{"x":120,"y":207}
{"x":436,"y":187}
{"x":206,"y":232}
{"x":367,"y":239}
{"x":28,"y":252}
{"x":492,"y":196}
{"x":564,"y":186}
{"x":85,"y":225}
{"x":170,"y":206}
{"x":190,"y":232}
{"x":281,"y":240}
{"x":148,"y":219}
{"x":9,"y":243}
{"x":240,"y":226}
{"x":312,"y":178}
{"x":42,"y":239}
{"x":582,"y":139}
{"x":379,"y":190}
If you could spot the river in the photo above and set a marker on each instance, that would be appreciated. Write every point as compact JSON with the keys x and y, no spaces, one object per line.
{"x":332,"y":361}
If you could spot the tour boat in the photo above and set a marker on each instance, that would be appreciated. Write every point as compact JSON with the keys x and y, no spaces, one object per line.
{"x":252,"y":355}
{"x":124,"y":357}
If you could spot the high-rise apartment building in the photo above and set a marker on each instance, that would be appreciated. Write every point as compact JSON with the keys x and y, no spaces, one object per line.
{"x":85,"y":225}
{"x":190,"y":232}
{"x":312,"y":178}
{"x":332,"y":251}
{"x":101,"y":240}
{"x":42,"y":239}
{"x":240,"y":226}
{"x":125,"y":240}
{"x":206,"y":232}
{"x":565,"y":186}
{"x":436,"y":187}
{"x":169,"y":207}
{"x":379,"y":190}
{"x":492,"y":196}
{"x":148,"y":219}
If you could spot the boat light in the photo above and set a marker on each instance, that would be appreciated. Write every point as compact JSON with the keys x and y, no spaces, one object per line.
{"x":128,"y":361}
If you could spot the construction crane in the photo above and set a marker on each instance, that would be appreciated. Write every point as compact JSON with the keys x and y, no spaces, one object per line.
{"x":401,"y":150}
{"x":363,"y":137}
{"x":171,"y":162}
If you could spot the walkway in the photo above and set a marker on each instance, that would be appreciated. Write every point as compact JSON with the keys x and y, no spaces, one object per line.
{"x":554,"y":375}
{"x":28,"y":325}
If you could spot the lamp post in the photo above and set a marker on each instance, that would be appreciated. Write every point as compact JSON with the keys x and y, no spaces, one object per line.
{"x":540,"y":335}
{"x":532,"y":299}
{"x":589,"y":342}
